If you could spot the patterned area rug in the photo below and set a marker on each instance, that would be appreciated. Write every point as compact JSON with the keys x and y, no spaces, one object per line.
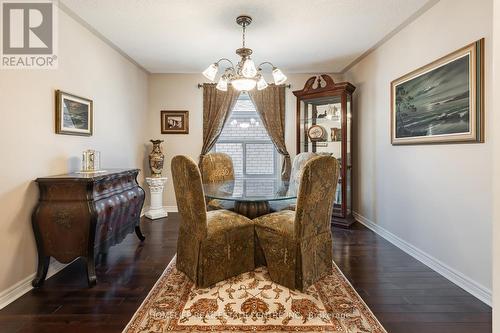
{"x":252,"y":302}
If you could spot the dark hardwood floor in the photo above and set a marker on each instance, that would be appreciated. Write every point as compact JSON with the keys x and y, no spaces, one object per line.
{"x":405,"y":295}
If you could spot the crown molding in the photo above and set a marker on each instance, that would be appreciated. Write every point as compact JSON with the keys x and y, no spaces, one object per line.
{"x":400,"y":27}
{"x":96,"y":33}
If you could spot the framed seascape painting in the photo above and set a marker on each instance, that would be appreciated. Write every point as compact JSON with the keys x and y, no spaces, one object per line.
{"x":174,"y":122}
{"x":74,"y":115}
{"x":442,"y":102}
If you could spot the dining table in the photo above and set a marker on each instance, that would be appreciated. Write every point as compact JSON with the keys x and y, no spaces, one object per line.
{"x":251,"y":196}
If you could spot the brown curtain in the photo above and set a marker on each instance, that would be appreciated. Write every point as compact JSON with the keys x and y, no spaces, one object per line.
{"x":270,"y":104}
{"x":217,"y":107}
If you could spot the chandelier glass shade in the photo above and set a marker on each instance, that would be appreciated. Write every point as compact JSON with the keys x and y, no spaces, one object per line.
{"x":211,"y":71}
{"x":243,"y":83}
{"x":248,"y":70}
{"x":222,"y":84}
{"x":261,"y":84}
{"x":245,"y":75}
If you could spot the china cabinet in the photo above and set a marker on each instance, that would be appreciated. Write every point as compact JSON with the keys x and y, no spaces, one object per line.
{"x":324,"y":125}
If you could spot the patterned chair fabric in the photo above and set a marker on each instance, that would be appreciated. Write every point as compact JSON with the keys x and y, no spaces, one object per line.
{"x":212,"y":246}
{"x":299,"y":162}
{"x":297,"y":246}
{"x":217,"y":167}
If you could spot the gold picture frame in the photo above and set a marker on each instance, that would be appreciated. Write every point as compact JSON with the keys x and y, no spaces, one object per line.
{"x":74,"y":114}
{"x":174,"y":122}
{"x":442,"y":102}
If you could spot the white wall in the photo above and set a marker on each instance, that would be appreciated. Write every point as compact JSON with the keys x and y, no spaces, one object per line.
{"x":496,"y":165}
{"x":180,"y":92}
{"x":437,"y":198}
{"x":29,"y":148}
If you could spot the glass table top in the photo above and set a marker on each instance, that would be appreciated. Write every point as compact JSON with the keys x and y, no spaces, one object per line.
{"x":249,"y":189}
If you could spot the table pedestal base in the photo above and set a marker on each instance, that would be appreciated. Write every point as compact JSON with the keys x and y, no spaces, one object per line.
{"x":252,"y":209}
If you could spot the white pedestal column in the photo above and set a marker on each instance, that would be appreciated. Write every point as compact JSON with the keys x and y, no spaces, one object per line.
{"x":156,"y":209}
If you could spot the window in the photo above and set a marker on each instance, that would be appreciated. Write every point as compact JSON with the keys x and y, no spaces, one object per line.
{"x":245,"y":139}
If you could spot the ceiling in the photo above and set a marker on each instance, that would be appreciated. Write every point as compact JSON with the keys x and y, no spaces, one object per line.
{"x":185,"y":36}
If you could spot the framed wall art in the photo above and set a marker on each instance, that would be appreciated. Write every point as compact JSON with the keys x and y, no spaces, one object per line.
{"x":74,"y":115}
{"x":174,"y":122}
{"x":442,"y":102}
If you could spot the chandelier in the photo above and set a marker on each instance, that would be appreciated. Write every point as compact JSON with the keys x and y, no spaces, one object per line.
{"x":244,"y":76}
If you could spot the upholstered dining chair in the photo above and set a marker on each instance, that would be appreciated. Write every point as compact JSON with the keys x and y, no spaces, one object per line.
{"x":217,"y":167}
{"x":299,"y":162}
{"x":297,"y":246}
{"x":212,"y":246}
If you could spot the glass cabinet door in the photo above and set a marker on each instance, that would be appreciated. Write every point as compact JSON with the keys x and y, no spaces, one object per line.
{"x":321,"y":132}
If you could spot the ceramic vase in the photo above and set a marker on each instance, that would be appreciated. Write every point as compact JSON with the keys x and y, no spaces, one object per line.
{"x":156,"y":158}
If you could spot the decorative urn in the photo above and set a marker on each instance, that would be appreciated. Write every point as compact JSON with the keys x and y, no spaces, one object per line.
{"x":156,"y":158}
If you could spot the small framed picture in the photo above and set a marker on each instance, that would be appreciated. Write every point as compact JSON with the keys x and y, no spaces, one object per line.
{"x":174,"y":122}
{"x":74,"y":115}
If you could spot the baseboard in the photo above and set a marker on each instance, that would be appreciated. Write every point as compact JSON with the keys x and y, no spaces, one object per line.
{"x":172,"y":209}
{"x":482,"y":293}
{"x":22,"y":287}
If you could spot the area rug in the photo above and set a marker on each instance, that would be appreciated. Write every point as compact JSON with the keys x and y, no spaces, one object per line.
{"x":252,"y":302}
